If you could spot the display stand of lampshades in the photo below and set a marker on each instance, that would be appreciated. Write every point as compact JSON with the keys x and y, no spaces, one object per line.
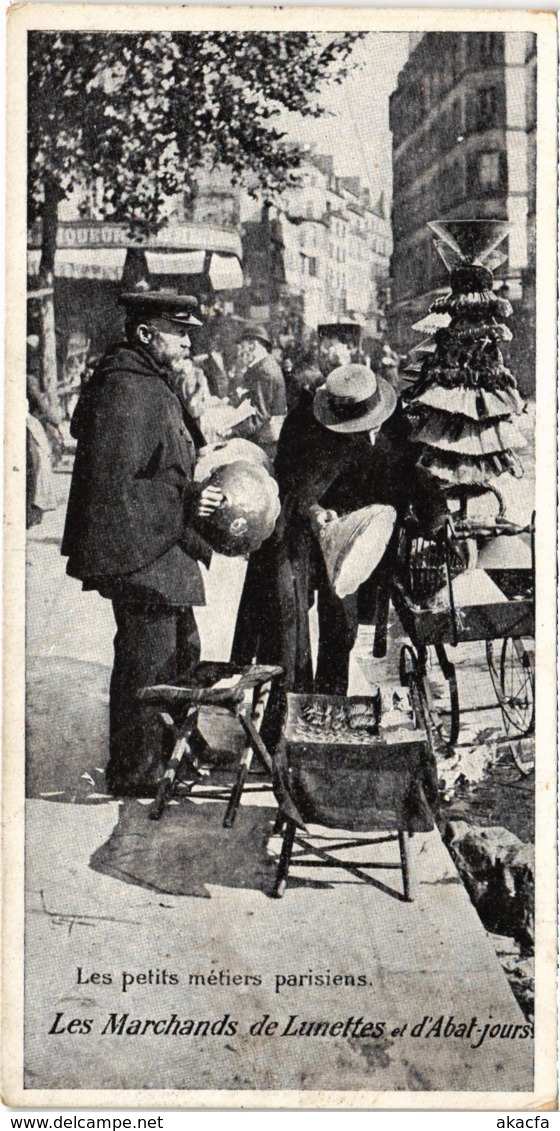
{"x":463,"y":404}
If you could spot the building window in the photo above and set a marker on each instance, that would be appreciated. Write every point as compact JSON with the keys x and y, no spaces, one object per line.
{"x":453,"y":183}
{"x":456,"y":57}
{"x":487,"y":172}
{"x":312,"y":267}
{"x":488,"y":46}
{"x":532,"y":98}
{"x":487,"y":108}
{"x":484,"y":48}
{"x":531,"y":48}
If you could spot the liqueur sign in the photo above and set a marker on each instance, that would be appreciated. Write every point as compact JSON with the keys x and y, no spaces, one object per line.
{"x":190,"y":236}
{"x":92,"y":235}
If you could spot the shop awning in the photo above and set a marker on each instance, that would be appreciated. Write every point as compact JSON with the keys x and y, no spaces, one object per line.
{"x":83,"y":263}
{"x":175,"y":262}
{"x":225,"y":271}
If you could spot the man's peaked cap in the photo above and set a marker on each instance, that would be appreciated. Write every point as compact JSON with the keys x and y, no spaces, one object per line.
{"x":182,"y":310}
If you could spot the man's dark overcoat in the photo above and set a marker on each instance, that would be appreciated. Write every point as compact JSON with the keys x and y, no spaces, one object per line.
{"x":339,"y":471}
{"x":128,"y":535}
{"x":132,"y":492}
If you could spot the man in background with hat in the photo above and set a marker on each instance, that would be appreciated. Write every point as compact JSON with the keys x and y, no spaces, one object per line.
{"x":128,"y":527}
{"x":339,"y":344}
{"x":347,"y":450}
{"x":264,"y":382}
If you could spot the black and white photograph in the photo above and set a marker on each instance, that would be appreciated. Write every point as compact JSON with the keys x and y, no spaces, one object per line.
{"x":279,"y":659}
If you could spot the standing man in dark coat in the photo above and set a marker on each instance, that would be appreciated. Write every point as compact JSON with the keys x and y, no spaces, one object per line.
{"x":346,"y":450}
{"x":129,"y":530}
{"x":264,"y":381}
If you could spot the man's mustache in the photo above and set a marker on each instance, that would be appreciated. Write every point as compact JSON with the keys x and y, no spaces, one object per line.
{"x":183,"y":366}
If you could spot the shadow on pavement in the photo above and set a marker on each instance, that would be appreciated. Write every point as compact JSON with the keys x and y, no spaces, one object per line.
{"x":188,"y":849}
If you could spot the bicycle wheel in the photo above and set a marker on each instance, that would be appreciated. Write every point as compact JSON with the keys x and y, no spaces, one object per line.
{"x":447,"y":717}
{"x":412,"y":676}
{"x":408,"y":664}
{"x":514,"y":683}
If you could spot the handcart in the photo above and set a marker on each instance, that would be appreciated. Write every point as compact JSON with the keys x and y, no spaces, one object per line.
{"x":351,"y":765}
{"x":505,"y":620}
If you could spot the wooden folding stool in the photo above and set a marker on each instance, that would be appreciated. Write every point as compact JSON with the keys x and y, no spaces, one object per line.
{"x":181,"y":705}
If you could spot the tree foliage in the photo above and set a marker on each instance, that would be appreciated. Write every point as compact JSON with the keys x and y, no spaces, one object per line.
{"x":139,"y":113}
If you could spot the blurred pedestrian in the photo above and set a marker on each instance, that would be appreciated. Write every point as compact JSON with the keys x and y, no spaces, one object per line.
{"x":43,"y":441}
{"x":40,"y":489}
{"x":390,"y":364}
{"x":303,"y":376}
{"x":41,"y":403}
{"x":339,"y":344}
{"x":264,"y":381}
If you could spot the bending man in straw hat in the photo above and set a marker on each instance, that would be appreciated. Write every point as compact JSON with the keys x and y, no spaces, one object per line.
{"x":346,"y":450}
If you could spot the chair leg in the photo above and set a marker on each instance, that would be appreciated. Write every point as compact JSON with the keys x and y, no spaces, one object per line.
{"x":254,"y":745}
{"x":284,"y":862}
{"x":238,"y":787}
{"x":409,"y":886}
{"x":260,"y":700}
{"x":279,"y":823}
{"x":257,"y":744}
{"x":180,"y":752}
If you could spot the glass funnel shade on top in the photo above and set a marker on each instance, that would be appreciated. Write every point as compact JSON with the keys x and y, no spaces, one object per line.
{"x":495,"y":260}
{"x":453,"y":258}
{"x":462,"y":242}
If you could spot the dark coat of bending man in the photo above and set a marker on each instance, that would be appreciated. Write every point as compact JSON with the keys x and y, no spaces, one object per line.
{"x":128,"y":527}
{"x":343,"y":449}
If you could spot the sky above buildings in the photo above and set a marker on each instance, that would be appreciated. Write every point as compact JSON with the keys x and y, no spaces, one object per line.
{"x":356,"y":130}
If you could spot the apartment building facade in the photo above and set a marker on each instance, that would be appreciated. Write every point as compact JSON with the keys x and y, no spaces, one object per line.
{"x":463,"y":119}
{"x":320,"y":252}
{"x":315,"y":254}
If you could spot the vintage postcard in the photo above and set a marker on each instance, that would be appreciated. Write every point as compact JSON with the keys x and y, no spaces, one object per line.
{"x":279,"y":631}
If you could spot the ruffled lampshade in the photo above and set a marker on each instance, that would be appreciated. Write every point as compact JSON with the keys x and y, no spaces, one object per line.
{"x":464,"y":399}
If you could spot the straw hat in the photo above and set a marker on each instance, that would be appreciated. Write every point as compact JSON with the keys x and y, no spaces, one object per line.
{"x":353,"y":399}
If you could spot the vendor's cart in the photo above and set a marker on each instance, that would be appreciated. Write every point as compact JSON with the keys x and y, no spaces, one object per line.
{"x":502,"y":615}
